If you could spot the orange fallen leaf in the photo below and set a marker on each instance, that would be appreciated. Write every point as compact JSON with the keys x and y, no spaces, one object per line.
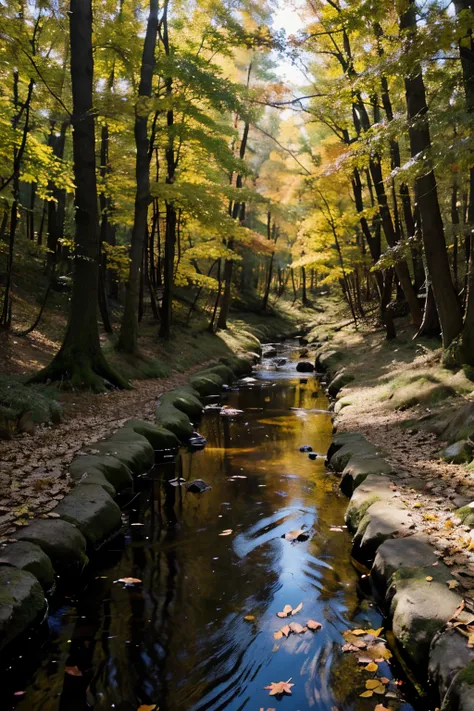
{"x":128,"y":581}
{"x":279,"y":688}
{"x":429,"y":578}
{"x":372,"y":667}
{"x":249,"y":618}
{"x":73,"y":671}
{"x":452,"y":584}
{"x":297,"y":609}
{"x":297,"y":535}
{"x":148,"y":707}
{"x":381,"y":707}
{"x":313,"y":625}
{"x":227,"y":532}
{"x":367,"y":694}
{"x":286,"y":630}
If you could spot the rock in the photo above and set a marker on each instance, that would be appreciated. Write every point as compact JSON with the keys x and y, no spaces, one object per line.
{"x":92,"y":511}
{"x":328,"y":360}
{"x":460,"y":696}
{"x":185,"y":401}
{"x":382,"y":521}
{"x":306,"y":448}
{"x":197,"y":441}
{"x":313,"y":455}
{"x":221,"y":371}
{"x":420,"y":609}
{"x":459,"y":425}
{"x":458,"y":453}
{"x":304,"y":352}
{"x":62,"y":542}
{"x":169,"y":417}
{"x":449,"y":654}
{"x":240,"y":365}
{"x":269,"y":353}
{"x":107,"y":471}
{"x":21,"y":602}
{"x":129,"y":447}
{"x":358,"y":469}
{"x":30,"y":557}
{"x":159,"y":438}
{"x":207,"y":384}
{"x":413,"y":552}
{"x":305,"y":367}
{"x":375,"y":488}
{"x":357,"y":447}
{"x":303,"y":341}
{"x":342,"y":379}
{"x":198,"y":486}
{"x":26,"y":423}
{"x":280,"y":362}
{"x":339,"y":439}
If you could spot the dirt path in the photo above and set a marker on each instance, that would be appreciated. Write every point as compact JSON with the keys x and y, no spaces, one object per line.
{"x":33,"y":468}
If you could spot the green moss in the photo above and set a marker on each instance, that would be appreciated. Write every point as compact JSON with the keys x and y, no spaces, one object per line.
{"x":17,"y":399}
{"x":95,"y":468}
{"x":175,"y":420}
{"x":185,"y":401}
{"x":466,"y":676}
{"x":92,"y":511}
{"x":159,"y":437}
{"x":464,"y":512}
{"x":21,"y":601}
{"x":207,"y":383}
{"x":223,"y":371}
{"x":354,"y":515}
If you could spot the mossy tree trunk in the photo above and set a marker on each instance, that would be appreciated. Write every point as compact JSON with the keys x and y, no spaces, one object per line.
{"x":80,"y":361}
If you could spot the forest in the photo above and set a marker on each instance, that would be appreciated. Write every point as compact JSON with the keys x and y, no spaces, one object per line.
{"x":151,"y":152}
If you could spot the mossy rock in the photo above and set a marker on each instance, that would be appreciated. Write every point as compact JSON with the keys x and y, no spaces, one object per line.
{"x":411,"y":553}
{"x":457,"y":425}
{"x":21,"y":602}
{"x":382,"y":521}
{"x":30,"y":557}
{"x":420,"y":609}
{"x":92,"y":511}
{"x":425,"y":394}
{"x":62,"y":542}
{"x":130,"y":448}
{"x":238,"y":364}
{"x":339,"y":439}
{"x":175,"y":420}
{"x":108,"y":471}
{"x":340,"y":381}
{"x":460,"y":696}
{"x":458,"y":452}
{"x":207,"y":384}
{"x":358,"y":469}
{"x":159,"y":437}
{"x":466,"y":514}
{"x":375,"y":488}
{"x":183,"y":400}
{"x":359,"y":447}
{"x":327,"y":361}
{"x":223,"y":371}
{"x":449,"y":655}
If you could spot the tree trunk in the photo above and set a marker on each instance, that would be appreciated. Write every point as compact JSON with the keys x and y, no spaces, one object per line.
{"x":128,"y":339}
{"x":56,"y":208}
{"x":447,"y":304}
{"x":80,"y":360}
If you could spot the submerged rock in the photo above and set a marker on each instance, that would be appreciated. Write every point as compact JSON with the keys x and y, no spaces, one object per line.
{"x":281,"y":361}
{"x":306,"y":448}
{"x":305,"y":367}
{"x":197,"y":441}
{"x":270,"y":353}
{"x":198,"y":486}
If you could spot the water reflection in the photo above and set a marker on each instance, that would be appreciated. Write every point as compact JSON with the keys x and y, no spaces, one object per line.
{"x":179,"y":640}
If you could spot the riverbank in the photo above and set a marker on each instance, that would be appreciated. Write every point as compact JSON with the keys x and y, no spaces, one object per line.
{"x":403,"y":452}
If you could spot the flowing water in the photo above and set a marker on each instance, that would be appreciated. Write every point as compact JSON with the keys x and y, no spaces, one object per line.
{"x":179,"y":639}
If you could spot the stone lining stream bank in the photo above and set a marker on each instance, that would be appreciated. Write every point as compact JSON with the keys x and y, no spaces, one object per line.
{"x":431,"y":623}
{"x":59,"y":548}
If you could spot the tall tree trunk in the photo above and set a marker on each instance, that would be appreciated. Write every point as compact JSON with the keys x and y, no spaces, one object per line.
{"x":466,"y":51}
{"x":80,"y":360}
{"x":56,"y":207}
{"x":447,"y":303}
{"x":128,"y":339}
{"x":105,"y":209}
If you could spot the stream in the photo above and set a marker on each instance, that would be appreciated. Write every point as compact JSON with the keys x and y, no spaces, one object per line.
{"x":179,"y":638}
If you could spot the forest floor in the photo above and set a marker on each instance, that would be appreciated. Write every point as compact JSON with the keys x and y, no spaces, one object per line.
{"x":33,"y":467}
{"x":400,"y":390}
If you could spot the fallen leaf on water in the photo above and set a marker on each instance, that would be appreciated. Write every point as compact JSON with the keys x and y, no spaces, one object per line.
{"x":178,"y":481}
{"x":367,"y":694}
{"x":372,"y":684}
{"x":429,"y":578}
{"x":452,"y":584}
{"x":281,"y":687}
{"x":128,"y":581}
{"x":227,"y":532}
{"x":287,"y":610}
{"x":73,"y":671}
{"x":380,"y":689}
{"x":249,"y":618}
{"x":313,"y":625}
{"x":285,"y":630}
{"x":381,"y":707}
{"x":372,"y":667}
{"x":278,"y":634}
{"x":148,"y":707}
{"x":297,"y":628}
{"x":297,"y":535}
{"x":297,"y":609}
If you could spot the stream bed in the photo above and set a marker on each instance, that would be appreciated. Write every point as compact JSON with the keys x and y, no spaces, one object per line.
{"x":179,"y":638}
